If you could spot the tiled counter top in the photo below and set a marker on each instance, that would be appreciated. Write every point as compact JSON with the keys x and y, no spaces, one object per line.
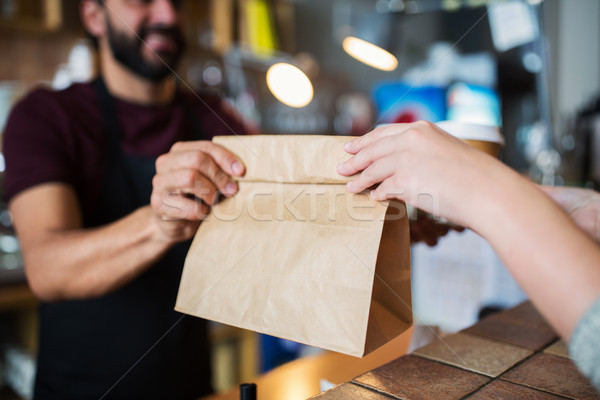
{"x":513,"y":354}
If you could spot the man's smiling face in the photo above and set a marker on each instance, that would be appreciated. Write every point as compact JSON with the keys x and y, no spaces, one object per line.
{"x":145,"y":36}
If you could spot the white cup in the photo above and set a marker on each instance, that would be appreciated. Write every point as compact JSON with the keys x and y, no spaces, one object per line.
{"x":483,"y":137}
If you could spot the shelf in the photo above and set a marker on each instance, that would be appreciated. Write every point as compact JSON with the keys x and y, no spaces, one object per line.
{"x":32,"y":15}
{"x":16,"y":297}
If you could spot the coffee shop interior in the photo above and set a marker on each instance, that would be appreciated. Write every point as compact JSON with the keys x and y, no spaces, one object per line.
{"x":311,"y":67}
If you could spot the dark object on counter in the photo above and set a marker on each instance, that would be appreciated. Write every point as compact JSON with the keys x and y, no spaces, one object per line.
{"x":248,"y":391}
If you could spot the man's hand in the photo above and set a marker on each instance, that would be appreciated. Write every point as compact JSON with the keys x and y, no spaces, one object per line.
{"x":429,"y":231}
{"x":582,"y":205}
{"x":188,"y":181}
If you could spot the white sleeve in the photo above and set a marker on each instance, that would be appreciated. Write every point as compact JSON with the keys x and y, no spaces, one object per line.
{"x":584,"y":347}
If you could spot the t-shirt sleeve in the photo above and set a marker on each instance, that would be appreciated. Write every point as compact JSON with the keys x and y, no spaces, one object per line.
{"x":584,"y":347}
{"x":218,"y":119}
{"x":35,"y":144}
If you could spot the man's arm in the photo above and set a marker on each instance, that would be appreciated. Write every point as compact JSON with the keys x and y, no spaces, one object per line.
{"x":63,"y":260}
{"x":582,"y":205}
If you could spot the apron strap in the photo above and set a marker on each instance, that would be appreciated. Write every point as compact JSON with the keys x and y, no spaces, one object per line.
{"x":114,"y":155}
{"x":109,"y":115}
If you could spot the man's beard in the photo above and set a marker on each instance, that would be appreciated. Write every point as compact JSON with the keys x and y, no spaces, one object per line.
{"x":128,"y":49}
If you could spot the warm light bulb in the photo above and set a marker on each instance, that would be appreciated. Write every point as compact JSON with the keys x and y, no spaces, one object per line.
{"x":369,"y":54}
{"x":289,"y":85}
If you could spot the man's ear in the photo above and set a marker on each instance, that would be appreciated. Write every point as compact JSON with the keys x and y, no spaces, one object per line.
{"x":93,"y":17}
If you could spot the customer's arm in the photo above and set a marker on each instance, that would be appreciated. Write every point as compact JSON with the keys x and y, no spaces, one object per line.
{"x":63,"y":260}
{"x":555,"y":262}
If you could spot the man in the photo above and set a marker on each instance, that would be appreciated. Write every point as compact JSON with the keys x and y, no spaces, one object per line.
{"x":104,"y":219}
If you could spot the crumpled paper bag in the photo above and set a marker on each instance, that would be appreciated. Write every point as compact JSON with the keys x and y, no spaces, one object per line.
{"x":294,"y":255}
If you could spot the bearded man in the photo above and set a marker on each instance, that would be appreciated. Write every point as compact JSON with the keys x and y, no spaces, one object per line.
{"x":107,"y":182}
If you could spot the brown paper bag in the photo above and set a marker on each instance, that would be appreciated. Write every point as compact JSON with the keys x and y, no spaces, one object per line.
{"x":294,"y":255}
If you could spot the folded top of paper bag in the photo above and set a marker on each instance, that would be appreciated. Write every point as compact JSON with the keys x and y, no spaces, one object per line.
{"x":289,"y":158}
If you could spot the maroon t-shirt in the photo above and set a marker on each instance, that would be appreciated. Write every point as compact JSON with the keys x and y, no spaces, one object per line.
{"x":59,"y":136}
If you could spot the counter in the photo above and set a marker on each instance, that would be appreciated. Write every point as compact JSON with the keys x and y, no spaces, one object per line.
{"x":513,"y":354}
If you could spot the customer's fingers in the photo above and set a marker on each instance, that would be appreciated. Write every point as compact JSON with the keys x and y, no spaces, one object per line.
{"x":360,"y":143}
{"x":366,"y":156}
{"x":375,"y":173}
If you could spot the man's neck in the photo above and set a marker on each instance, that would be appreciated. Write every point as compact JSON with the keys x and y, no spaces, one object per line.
{"x":126,"y":85}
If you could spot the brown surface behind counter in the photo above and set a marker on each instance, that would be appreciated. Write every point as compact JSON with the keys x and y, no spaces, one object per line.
{"x":300,"y":379}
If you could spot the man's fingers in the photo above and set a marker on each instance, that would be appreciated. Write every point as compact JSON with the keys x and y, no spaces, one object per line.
{"x":221,"y":180}
{"x":430,"y":231}
{"x":415,"y":234}
{"x":195,"y":162}
{"x":225,"y":159}
{"x":189,"y":182}
{"x":176,"y":206}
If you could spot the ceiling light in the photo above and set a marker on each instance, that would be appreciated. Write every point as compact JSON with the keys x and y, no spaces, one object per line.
{"x":289,"y":85}
{"x":370,"y":54}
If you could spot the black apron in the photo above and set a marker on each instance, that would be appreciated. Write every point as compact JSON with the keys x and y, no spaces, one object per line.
{"x":129,"y":344}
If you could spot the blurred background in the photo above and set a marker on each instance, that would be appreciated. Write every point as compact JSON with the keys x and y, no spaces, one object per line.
{"x":342,"y":67}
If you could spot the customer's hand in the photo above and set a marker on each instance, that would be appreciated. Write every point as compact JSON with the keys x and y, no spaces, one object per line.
{"x":582,"y":205}
{"x":424,"y":166}
{"x":188,"y":181}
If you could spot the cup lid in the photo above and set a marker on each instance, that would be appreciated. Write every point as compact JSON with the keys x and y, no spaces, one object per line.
{"x":472,"y":131}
